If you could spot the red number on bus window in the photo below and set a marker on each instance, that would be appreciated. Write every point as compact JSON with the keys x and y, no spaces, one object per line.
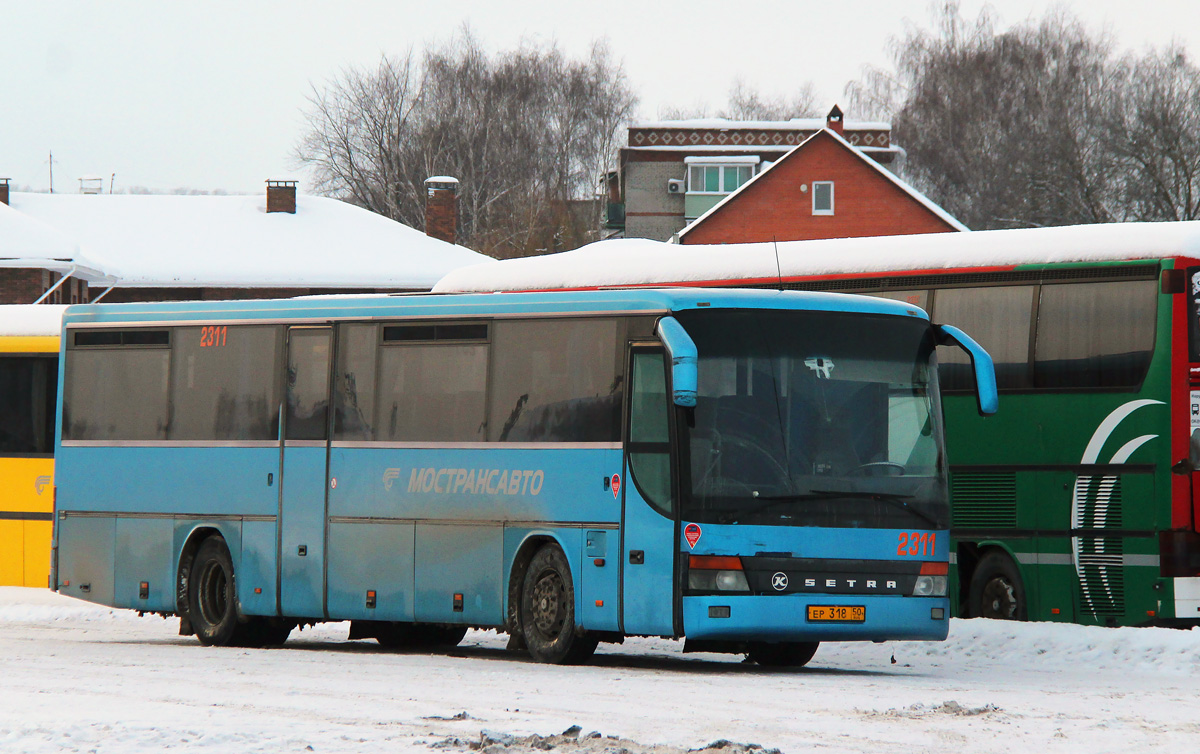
{"x":213,"y":336}
{"x":914,"y":544}
{"x":902,"y":545}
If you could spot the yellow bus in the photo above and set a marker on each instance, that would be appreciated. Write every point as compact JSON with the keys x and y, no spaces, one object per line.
{"x":29,"y":338}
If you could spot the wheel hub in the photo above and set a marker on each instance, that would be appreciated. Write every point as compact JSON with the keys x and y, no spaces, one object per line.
{"x":999,"y":599}
{"x":549,"y":606}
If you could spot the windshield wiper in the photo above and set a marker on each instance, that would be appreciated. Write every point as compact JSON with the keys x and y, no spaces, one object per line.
{"x":891,"y":498}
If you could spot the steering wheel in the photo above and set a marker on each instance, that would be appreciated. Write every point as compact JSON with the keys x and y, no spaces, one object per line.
{"x":870,"y":469}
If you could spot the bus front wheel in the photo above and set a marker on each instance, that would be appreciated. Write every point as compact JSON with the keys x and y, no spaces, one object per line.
{"x":548,"y":611}
{"x":996,"y":589}
{"x":788,"y":654}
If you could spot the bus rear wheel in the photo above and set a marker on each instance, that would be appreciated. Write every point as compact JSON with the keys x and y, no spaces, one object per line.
{"x":787,"y":654}
{"x":548,"y":611}
{"x":996,"y":589}
{"x":212,"y":597}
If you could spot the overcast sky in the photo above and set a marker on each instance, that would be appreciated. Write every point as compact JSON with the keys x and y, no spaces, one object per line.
{"x":209,"y":95}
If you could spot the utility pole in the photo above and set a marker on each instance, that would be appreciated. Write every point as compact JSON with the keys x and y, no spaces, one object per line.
{"x":111,"y":181}
{"x":51,"y":171}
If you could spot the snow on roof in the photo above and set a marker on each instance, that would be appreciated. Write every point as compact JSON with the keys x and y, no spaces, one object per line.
{"x":923,"y":200}
{"x":795,"y":124}
{"x":31,"y":319}
{"x":637,"y":261}
{"x":28,"y":242}
{"x":231,"y":241}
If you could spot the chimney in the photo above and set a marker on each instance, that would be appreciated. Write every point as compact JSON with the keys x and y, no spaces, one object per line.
{"x":441,"y":208}
{"x":833,"y":121}
{"x":3,"y":191}
{"x":281,"y":196}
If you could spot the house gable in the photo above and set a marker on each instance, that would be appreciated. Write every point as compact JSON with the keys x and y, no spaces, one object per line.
{"x":778,"y":203}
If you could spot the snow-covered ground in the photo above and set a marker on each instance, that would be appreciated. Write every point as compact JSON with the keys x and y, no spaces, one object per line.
{"x":81,"y":678}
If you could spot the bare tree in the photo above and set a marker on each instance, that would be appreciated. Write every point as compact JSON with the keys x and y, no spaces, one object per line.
{"x":1155,"y":135}
{"x":1038,"y":125}
{"x":526,"y":132}
{"x":747,"y":103}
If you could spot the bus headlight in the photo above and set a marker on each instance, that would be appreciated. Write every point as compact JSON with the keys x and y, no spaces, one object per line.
{"x":930,"y":586}
{"x":717,"y":581}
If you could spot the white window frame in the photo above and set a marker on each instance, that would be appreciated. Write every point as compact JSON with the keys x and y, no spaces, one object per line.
{"x":724,"y":163}
{"x":815,"y":210}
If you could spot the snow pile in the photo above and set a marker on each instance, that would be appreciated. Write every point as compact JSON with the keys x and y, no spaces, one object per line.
{"x":28,"y":319}
{"x":231,"y":241}
{"x":639,"y":261}
{"x":1054,"y":647}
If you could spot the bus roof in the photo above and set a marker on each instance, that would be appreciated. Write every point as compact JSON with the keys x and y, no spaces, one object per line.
{"x":31,"y":319}
{"x":648,"y":300}
{"x":635,"y":261}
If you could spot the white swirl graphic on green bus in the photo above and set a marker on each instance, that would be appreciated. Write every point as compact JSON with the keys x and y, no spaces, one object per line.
{"x":1095,"y":502}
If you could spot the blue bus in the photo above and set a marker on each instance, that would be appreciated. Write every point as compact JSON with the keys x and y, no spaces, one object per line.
{"x":753,"y":471}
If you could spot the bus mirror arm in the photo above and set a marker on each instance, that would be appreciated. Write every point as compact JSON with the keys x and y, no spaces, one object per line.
{"x":986,"y":394}
{"x":681,"y":350}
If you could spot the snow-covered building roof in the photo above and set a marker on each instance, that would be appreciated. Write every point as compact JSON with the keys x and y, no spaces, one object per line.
{"x":156,"y":241}
{"x":632,"y":261}
{"x":31,"y":319}
{"x":28,"y":242}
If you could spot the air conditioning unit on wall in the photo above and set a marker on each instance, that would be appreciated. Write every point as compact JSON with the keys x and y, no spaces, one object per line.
{"x":676,"y":186}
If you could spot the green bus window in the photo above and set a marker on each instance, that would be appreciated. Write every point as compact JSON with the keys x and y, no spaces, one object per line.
{"x":1095,"y":334}
{"x":223,"y":384}
{"x":998,"y":319}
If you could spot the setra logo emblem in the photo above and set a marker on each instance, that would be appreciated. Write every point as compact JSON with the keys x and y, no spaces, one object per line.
{"x":779,"y":581}
{"x":41,"y":483}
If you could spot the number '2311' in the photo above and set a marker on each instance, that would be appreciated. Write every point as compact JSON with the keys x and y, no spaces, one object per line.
{"x":916,"y":543}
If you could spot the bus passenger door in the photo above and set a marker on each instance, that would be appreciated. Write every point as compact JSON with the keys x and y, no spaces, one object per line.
{"x":649,"y":539}
{"x":303,"y":473}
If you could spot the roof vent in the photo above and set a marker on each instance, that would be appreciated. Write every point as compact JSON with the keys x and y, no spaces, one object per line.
{"x":281,"y":196}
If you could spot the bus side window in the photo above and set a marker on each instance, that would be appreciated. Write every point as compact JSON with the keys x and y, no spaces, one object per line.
{"x":998,"y":319}
{"x":649,"y":438}
{"x":223,"y":384}
{"x":556,"y":380}
{"x":354,"y":383}
{"x":307,"y":384}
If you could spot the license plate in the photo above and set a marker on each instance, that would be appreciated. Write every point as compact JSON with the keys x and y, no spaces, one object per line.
{"x":837,"y":613}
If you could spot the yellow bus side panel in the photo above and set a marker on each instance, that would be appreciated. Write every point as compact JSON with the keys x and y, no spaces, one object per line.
{"x":29,"y":344}
{"x":26,"y":486}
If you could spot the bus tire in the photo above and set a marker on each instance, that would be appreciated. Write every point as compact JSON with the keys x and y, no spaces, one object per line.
{"x":212,"y":596}
{"x":786,"y":654}
{"x":997,"y":590}
{"x":548,"y":611}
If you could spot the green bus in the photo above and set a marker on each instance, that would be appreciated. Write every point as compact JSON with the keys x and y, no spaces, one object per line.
{"x":1079,"y":500}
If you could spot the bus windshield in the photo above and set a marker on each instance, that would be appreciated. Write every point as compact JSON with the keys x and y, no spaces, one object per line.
{"x":815,"y":419}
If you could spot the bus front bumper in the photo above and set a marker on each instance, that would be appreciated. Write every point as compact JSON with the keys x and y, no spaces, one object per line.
{"x":786,"y":618}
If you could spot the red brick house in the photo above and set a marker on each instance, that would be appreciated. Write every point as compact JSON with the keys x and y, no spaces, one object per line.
{"x":823,"y":188}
